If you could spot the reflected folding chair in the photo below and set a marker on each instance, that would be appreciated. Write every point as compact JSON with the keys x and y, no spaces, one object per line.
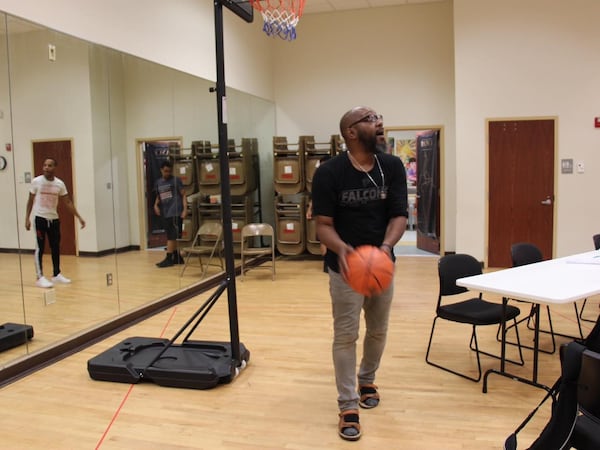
{"x":208,"y":243}
{"x":250,"y":234}
{"x":474,"y":311}
{"x":596,"y":239}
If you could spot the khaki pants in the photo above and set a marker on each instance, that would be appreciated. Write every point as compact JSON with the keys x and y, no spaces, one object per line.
{"x":346,"y":308}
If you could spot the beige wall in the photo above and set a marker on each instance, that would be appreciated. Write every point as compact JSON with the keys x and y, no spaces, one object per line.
{"x":177,"y":34}
{"x":105,"y":101}
{"x":62,"y":112}
{"x":399,"y":60}
{"x":518,"y":58}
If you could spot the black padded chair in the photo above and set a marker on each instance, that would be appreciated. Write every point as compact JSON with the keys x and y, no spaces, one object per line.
{"x":596,"y":239}
{"x":524,"y":253}
{"x":575,"y":418}
{"x":587,"y":426}
{"x":474,"y":311}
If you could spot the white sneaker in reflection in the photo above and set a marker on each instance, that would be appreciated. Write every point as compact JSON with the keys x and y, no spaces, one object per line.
{"x":43,"y":282}
{"x":60,"y":278}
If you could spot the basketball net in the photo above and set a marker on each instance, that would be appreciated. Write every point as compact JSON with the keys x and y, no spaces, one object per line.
{"x":280,"y":16}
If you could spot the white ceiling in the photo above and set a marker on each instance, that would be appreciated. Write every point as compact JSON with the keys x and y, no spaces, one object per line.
{"x":322,"y":6}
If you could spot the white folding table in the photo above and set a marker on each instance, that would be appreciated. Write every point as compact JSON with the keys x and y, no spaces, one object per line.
{"x":556,"y":281}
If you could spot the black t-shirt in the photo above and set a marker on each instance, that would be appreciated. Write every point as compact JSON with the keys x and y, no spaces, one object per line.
{"x":169,"y":192}
{"x":360,"y":214}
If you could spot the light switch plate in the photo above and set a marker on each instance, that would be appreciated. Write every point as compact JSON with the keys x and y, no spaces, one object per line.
{"x":566,"y":166}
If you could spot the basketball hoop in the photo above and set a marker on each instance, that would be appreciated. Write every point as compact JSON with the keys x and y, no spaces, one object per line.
{"x":280,"y":16}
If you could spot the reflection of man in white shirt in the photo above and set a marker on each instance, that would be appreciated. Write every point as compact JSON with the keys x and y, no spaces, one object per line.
{"x":45,"y":192}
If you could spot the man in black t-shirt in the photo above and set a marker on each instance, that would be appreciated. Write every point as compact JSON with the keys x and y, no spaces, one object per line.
{"x":359,"y":198}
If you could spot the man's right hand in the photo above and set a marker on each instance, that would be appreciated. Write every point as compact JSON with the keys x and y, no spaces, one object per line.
{"x":342,"y":255}
{"x":156,"y":210}
{"x":27,"y":224}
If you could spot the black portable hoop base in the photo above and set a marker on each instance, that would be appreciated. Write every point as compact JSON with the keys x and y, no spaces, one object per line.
{"x":14,"y":334}
{"x":190,"y":364}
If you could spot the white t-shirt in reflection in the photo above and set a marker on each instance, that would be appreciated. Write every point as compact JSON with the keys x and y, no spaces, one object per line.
{"x":47,"y":193}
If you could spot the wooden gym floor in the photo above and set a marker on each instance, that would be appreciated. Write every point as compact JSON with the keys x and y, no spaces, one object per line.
{"x":286,"y":398}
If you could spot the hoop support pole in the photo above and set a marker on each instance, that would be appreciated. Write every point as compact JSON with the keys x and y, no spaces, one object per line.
{"x":225,"y":187}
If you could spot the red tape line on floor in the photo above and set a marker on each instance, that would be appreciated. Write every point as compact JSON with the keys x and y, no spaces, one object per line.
{"x":118,"y":411}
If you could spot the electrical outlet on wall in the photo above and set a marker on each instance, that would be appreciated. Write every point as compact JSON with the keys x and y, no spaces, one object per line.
{"x":49,"y":297}
{"x":51,"y":52}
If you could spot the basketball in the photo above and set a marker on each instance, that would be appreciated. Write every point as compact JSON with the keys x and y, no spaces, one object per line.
{"x":370,"y":270}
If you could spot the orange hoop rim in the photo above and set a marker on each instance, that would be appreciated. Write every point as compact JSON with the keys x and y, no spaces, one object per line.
{"x":295,"y":7}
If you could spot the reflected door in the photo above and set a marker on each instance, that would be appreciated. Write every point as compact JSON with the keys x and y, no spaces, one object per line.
{"x":60,"y":151}
{"x":155,"y":152}
{"x":428,"y":191}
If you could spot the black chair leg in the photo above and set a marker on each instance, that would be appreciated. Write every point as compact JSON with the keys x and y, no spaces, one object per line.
{"x":528,"y":347}
{"x":577,"y":316}
{"x":581,"y":313}
{"x":532,"y":328}
{"x":517,"y":322}
{"x":518,"y":344}
{"x":473,"y":336}
{"x":555,"y":333}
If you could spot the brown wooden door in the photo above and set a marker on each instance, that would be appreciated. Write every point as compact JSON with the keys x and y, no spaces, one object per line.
{"x":521,"y":187}
{"x":61,"y":152}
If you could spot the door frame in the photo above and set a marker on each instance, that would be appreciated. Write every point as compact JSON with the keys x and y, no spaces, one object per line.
{"x":141,"y":183}
{"x":487,"y":177}
{"x":441,"y":181}
{"x":72,"y":194}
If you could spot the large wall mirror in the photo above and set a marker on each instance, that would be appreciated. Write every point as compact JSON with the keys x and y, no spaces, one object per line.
{"x":97,"y":111}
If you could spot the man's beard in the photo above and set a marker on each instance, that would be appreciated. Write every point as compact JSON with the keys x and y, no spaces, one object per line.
{"x":381,"y":147}
{"x":370,"y":142}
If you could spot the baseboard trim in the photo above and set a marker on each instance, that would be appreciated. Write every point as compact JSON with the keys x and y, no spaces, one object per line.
{"x":109,"y":251}
{"x":17,"y":250}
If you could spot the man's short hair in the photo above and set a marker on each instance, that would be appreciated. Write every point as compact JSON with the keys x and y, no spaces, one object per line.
{"x":51,"y":159}
{"x":166,"y":163}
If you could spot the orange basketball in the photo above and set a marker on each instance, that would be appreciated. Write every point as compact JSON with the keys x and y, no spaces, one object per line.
{"x":370,"y":270}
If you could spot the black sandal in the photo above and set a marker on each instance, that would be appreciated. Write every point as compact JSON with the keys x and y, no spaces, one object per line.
{"x":369,"y":397}
{"x":349,"y":426}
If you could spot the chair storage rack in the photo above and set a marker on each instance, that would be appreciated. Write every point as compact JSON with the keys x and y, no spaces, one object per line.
{"x":294,"y":165}
{"x":191,"y":364}
{"x":244,"y":179}
{"x":313,"y":152}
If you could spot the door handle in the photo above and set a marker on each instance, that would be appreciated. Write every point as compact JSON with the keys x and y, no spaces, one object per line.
{"x":548,"y":201}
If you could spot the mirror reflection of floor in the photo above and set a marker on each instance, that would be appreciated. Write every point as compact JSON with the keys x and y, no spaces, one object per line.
{"x":67,"y":309}
{"x":408,"y":246}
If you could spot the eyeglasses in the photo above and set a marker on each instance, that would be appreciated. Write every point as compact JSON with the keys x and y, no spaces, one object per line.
{"x":368,"y":118}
